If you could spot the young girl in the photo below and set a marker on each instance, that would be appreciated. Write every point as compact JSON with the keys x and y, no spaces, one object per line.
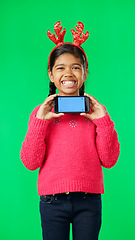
{"x":70,"y":150}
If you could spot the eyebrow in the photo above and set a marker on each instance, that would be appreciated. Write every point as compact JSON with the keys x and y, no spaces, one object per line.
{"x":64,"y":64}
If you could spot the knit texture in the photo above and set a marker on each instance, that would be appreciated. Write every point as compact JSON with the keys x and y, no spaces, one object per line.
{"x":70,"y":152}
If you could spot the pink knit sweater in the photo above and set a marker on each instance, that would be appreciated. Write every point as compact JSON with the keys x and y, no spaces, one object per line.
{"x":70,"y":152}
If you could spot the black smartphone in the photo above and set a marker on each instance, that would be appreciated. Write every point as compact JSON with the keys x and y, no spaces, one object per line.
{"x":75,"y":104}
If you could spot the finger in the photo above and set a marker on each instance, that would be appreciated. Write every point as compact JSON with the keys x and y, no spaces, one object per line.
{"x":50,"y":99}
{"x":91,"y":103}
{"x":83,"y":114}
{"x":87,"y":115}
{"x":87,"y":95}
{"x":90,"y":99}
{"x":58,"y":115}
{"x":93,"y":100}
{"x":90,"y":96}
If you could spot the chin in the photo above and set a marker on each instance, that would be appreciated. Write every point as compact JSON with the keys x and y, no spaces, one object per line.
{"x":70,"y":92}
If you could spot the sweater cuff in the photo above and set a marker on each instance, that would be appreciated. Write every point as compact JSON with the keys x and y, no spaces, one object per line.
{"x":39,"y":126}
{"x":103,"y":121}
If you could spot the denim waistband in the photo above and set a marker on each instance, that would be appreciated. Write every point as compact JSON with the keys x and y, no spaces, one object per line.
{"x":70,"y":194}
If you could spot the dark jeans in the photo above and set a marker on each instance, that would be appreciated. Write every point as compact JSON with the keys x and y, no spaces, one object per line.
{"x":83,"y":210}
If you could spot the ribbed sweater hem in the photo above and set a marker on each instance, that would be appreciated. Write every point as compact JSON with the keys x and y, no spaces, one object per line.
{"x":70,"y":186}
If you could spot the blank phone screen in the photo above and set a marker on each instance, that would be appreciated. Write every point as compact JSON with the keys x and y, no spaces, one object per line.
{"x":71,"y":104}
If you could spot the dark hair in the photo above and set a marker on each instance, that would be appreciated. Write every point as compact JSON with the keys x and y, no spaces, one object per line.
{"x":66,"y":48}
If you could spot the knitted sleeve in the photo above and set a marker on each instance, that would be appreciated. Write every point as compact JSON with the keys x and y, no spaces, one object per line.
{"x":33,"y":148}
{"x":107,"y":144}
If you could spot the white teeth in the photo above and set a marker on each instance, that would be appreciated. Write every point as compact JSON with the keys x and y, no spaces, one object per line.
{"x":68,"y":82}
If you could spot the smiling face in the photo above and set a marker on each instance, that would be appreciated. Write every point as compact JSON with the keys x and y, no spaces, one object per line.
{"x":68,"y":74}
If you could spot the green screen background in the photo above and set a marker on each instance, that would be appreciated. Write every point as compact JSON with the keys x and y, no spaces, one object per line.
{"x":24,"y":51}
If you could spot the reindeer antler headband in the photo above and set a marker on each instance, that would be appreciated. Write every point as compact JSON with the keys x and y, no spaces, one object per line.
{"x":77,"y":38}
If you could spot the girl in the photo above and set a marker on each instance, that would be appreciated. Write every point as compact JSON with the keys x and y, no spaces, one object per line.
{"x":70,"y":150}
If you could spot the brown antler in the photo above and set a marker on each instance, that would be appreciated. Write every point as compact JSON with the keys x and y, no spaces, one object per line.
{"x":60,"y":35}
{"x":77,"y":39}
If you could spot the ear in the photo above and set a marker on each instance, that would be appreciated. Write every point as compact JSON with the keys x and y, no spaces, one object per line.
{"x":50,"y":75}
{"x":85,"y":75}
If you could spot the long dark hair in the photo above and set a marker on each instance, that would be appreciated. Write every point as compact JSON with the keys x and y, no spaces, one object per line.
{"x":66,"y":48}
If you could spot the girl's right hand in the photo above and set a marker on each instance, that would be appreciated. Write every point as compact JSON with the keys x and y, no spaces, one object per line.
{"x":45,"y":110}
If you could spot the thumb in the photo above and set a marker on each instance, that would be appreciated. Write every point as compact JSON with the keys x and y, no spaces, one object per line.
{"x":59,"y":115}
{"x":86,"y":115}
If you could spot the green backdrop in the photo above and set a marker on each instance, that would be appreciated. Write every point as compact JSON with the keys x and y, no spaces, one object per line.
{"x":24,"y":51}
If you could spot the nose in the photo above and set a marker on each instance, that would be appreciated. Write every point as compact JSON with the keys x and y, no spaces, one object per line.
{"x":68,"y":73}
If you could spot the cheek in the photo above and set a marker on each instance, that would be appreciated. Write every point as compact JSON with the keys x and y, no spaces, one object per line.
{"x":81,"y":77}
{"x":57,"y":75}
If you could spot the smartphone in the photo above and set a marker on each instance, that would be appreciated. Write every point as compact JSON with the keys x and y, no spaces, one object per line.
{"x":75,"y":104}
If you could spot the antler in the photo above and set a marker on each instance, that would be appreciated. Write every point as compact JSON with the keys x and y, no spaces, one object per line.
{"x":77,"y":39}
{"x":60,"y":35}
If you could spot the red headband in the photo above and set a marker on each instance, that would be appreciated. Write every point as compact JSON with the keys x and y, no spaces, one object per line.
{"x":77,"y":38}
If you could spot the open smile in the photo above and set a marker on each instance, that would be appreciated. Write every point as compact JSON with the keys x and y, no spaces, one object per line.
{"x":68,"y":83}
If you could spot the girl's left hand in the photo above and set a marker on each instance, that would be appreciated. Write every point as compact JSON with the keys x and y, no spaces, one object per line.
{"x":97,"y":109}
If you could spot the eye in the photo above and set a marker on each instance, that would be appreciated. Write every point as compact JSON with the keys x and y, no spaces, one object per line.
{"x":60,"y":68}
{"x":76,"y":67}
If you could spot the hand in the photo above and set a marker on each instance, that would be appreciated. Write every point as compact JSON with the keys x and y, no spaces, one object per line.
{"x":97,"y":109}
{"x":45,"y":110}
